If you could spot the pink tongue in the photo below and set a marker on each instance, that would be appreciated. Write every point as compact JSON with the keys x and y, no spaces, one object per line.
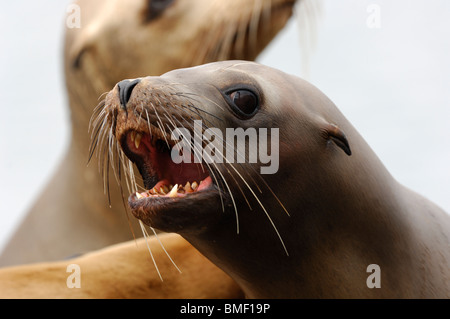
{"x":205,"y":183}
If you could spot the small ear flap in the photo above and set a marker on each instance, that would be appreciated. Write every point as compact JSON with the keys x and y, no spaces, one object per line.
{"x":336,"y":135}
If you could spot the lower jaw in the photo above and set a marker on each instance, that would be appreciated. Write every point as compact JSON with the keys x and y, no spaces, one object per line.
{"x":192,"y":213}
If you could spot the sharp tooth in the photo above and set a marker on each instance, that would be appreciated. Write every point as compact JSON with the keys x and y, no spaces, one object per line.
{"x":173,"y":192}
{"x":161,"y":190}
{"x":139,"y":196}
{"x":194,"y":185}
{"x":166,"y":189}
{"x":188,"y":188}
{"x":133,"y":135}
{"x":137,"y":140}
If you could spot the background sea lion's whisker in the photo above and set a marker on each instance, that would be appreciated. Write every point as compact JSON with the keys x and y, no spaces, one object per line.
{"x":241,"y":31}
{"x":254,"y":24}
{"x":221,"y":41}
{"x":227,"y":42}
{"x":266,"y":16}
{"x":213,"y":45}
{"x":307,"y":14}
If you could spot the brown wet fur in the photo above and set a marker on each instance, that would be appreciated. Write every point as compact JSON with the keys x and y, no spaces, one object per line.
{"x":124,"y":270}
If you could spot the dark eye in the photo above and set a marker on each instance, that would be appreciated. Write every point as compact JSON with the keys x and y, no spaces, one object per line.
{"x":156,"y":7}
{"x":244,"y":102}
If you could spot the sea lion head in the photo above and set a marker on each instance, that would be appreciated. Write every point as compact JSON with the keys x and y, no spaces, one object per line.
{"x":127,"y":39}
{"x":300,"y":209}
{"x":275,"y":125}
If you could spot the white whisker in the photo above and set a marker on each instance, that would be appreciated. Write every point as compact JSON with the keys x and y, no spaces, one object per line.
{"x":162,"y":246}
{"x":144,"y":231}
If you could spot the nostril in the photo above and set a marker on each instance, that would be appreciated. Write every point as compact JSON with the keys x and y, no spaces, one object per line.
{"x":125,"y":89}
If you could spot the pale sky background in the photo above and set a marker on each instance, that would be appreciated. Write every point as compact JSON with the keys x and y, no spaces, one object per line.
{"x":392,"y":83}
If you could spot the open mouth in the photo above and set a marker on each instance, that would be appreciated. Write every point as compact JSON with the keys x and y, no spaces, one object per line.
{"x":164,"y":180}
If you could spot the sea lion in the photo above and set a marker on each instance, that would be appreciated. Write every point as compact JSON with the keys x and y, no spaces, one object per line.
{"x":330,"y":213}
{"x":112,"y":273}
{"x":116,"y":40}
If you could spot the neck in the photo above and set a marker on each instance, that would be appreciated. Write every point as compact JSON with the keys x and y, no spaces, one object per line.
{"x":330,"y":239}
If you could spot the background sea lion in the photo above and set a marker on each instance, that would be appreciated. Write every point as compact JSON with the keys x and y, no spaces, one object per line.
{"x":112,"y":273}
{"x":309,"y":230}
{"x":121,"y":39}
